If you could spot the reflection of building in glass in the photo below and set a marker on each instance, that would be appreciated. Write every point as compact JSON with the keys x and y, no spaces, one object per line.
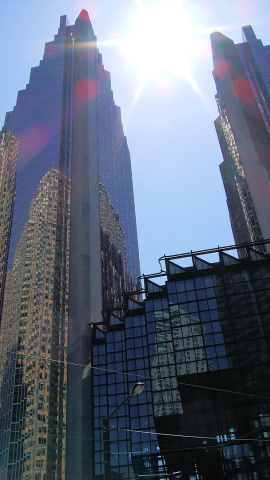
{"x":200,"y":342}
{"x":68,"y":249}
{"x":34,"y":312}
{"x":166,"y":396}
{"x":241,"y":74}
{"x":174,"y":333}
{"x":8,"y":159}
{"x":113,"y":253}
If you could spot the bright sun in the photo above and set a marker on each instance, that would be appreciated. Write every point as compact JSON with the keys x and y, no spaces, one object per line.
{"x":162,"y":40}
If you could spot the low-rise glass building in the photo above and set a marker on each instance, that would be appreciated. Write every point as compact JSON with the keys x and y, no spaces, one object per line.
{"x":199,"y":340}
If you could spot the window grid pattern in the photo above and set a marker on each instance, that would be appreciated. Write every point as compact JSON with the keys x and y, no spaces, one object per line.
{"x":125,"y":350}
{"x":203,"y":337}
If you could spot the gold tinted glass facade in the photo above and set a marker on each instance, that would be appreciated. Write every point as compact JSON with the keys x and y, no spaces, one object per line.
{"x":8,"y":159}
{"x":35,"y":312}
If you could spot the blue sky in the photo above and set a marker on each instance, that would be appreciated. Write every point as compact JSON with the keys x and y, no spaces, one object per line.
{"x":168,"y":121}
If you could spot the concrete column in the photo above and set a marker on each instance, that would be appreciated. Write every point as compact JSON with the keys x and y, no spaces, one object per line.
{"x":85,"y":293}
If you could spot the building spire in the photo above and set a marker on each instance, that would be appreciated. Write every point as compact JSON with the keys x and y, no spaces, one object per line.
{"x":85,"y":22}
{"x":84,"y":15}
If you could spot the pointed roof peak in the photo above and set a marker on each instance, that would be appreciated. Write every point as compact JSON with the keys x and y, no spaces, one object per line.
{"x":84,"y":15}
{"x":84,"y":25}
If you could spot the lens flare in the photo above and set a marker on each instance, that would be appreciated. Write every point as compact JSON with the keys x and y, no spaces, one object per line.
{"x":161,"y":40}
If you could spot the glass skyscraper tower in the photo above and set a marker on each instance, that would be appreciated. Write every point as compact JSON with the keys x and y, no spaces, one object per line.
{"x":242,"y":76}
{"x":68,"y":250}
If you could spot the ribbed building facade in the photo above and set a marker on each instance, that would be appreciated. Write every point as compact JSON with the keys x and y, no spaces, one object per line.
{"x":242,"y":74}
{"x":68,"y":250}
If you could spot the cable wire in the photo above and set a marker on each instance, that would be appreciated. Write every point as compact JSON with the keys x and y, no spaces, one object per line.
{"x":189,"y":436}
{"x":223,"y":390}
{"x":65,"y":363}
{"x":129,"y":374}
{"x":195,"y":437}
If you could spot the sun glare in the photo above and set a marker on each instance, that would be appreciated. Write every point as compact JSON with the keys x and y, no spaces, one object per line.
{"x":162,"y":40}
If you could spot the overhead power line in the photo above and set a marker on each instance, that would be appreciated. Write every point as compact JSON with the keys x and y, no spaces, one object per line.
{"x":223,"y":390}
{"x":134,"y":375}
{"x":196,"y":437}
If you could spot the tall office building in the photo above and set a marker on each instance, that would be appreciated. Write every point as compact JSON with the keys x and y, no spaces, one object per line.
{"x":242,"y":77}
{"x":68,"y":249}
{"x":200,"y":343}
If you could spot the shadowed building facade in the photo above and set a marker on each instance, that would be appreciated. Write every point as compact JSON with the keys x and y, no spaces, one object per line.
{"x":200,"y":342}
{"x":242,"y":74}
{"x":68,"y":249}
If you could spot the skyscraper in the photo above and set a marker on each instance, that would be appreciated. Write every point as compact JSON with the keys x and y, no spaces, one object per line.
{"x":242,"y":76}
{"x":68,"y":249}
